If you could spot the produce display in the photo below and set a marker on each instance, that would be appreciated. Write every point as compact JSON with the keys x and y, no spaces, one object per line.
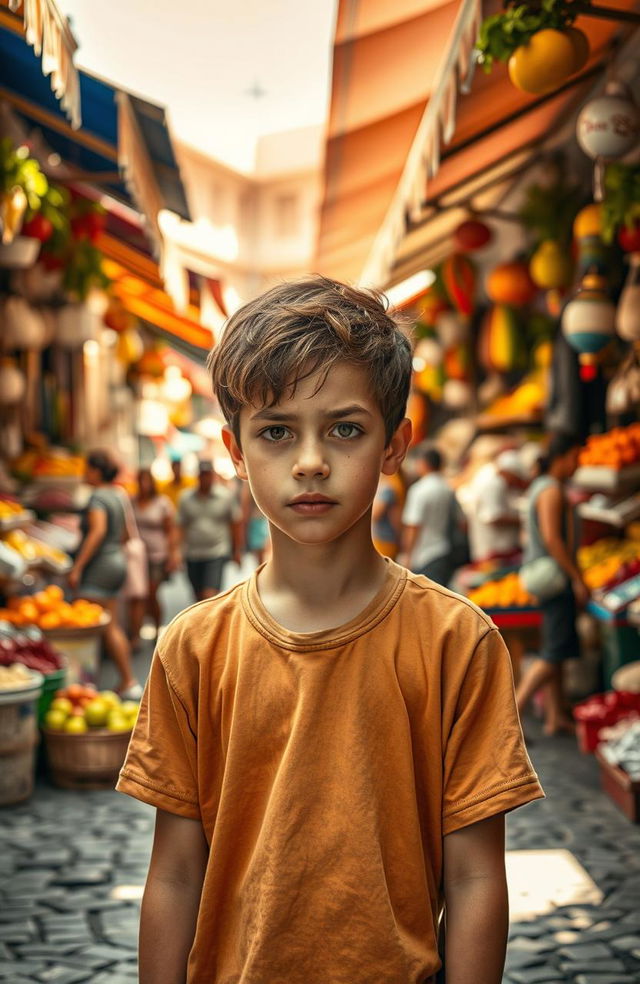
{"x":508,"y":592}
{"x":10,"y":511}
{"x":609,"y":562}
{"x":52,"y":463}
{"x":35,"y":551}
{"x":14,"y":677}
{"x":624,"y":751}
{"x":30,"y":648}
{"x":602,"y":711}
{"x":616,"y":449}
{"x":77,"y":709}
{"x":48,"y":610}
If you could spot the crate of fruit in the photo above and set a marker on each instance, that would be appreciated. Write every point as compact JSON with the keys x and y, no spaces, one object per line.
{"x":86,"y":734}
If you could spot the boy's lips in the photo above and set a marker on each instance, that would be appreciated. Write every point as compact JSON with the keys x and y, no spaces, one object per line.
{"x":311,"y":503}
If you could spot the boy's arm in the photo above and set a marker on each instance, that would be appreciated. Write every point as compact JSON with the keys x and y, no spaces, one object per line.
{"x":171,"y":899}
{"x":477,"y":908}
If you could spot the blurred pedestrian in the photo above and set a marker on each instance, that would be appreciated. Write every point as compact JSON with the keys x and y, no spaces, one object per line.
{"x":430,"y":518}
{"x":494,"y":520}
{"x":255,"y":523}
{"x":386,"y":515}
{"x":210,"y":527}
{"x":155,"y":518}
{"x":551,"y":534}
{"x":99,"y":570}
{"x":177,"y":485}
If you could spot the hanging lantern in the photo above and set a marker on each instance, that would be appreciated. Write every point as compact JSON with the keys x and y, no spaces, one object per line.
{"x":499,"y":346}
{"x":459,"y":279}
{"x":628,"y":312}
{"x":551,"y":266}
{"x":609,"y":125}
{"x":12,"y":383}
{"x":452,"y":328}
{"x":588,"y":322}
{"x":592,"y":256}
{"x":511,"y":283}
{"x":471,"y":235}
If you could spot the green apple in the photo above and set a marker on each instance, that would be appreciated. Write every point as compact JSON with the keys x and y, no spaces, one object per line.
{"x":130,"y":708}
{"x":55,"y":719}
{"x":110,"y":696}
{"x":76,"y":725}
{"x":62,"y":704}
{"x":117,"y":721}
{"x":96,"y":712}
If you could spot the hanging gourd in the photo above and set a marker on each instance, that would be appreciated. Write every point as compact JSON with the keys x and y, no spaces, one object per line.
{"x":511,"y":283}
{"x":551,"y":266}
{"x":499,"y":343}
{"x":588,"y":322}
{"x":588,"y":221}
{"x":459,"y":280}
{"x":628,"y":312}
{"x":471,"y":235}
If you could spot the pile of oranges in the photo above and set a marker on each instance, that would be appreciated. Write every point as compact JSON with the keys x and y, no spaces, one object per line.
{"x":508,"y":592}
{"x":616,"y":449}
{"x":48,"y":610}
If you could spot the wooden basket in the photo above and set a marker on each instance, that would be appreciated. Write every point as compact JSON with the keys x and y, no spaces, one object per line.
{"x":623,"y":790}
{"x":86,"y":761}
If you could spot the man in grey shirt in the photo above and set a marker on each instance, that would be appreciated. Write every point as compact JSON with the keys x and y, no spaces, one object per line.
{"x":429,"y":514}
{"x":209,"y":520}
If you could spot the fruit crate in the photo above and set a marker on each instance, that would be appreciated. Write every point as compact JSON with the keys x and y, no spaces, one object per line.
{"x":623,"y":790}
{"x":85,"y":761}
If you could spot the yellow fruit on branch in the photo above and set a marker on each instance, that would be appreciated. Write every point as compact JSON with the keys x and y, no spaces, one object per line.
{"x":544,"y":62}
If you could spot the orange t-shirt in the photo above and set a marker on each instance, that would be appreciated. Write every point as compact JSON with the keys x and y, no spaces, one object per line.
{"x":325,"y":769}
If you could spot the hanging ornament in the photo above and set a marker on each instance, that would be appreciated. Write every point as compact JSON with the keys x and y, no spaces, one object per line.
{"x":551,"y":266}
{"x":12,"y":383}
{"x":588,"y":322}
{"x":609,"y":125}
{"x":628,"y":311}
{"x":459,"y":280}
{"x":511,"y":283}
{"x":629,"y":238}
{"x":499,"y":344}
{"x":23,"y":326}
{"x":547,"y":59}
{"x":588,"y":221}
{"x":471,"y":235}
{"x":452,"y":328}
{"x":592,"y":256}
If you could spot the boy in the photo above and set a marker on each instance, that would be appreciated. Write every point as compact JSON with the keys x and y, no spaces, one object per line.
{"x":331,"y":745}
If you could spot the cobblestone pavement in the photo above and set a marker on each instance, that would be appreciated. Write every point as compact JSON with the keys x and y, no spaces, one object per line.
{"x":70,"y":863}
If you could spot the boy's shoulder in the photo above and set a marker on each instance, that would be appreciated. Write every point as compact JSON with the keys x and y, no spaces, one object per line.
{"x":446,"y":610}
{"x":191,"y":631}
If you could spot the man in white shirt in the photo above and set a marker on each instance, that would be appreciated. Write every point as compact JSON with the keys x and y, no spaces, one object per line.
{"x":430,"y":511}
{"x":494,"y":521}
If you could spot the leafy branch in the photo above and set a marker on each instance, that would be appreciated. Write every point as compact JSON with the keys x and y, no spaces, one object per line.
{"x":501,"y":34}
{"x":621,"y":202}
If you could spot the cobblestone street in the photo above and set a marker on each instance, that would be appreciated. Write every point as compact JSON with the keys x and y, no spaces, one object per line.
{"x":73,"y":865}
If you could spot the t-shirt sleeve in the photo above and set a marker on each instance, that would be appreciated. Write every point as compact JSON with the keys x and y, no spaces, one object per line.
{"x":160,"y":767}
{"x":486,"y":767}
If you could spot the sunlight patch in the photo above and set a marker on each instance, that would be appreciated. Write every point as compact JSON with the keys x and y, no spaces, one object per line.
{"x":540,"y":881}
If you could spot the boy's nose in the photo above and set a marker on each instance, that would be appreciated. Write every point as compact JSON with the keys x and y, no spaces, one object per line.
{"x":310,"y":461}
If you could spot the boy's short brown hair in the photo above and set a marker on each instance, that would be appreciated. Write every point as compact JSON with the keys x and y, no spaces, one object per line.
{"x":302,"y":327}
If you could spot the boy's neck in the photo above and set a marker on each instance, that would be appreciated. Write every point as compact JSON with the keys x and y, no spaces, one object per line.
{"x":308,"y":588}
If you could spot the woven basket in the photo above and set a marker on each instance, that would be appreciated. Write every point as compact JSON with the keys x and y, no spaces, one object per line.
{"x":86,"y":761}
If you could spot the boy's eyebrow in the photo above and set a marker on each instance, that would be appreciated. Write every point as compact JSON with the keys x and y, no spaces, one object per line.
{"x":276,"y":414}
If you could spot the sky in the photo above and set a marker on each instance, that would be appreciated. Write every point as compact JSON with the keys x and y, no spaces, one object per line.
{"x":202,"y":59}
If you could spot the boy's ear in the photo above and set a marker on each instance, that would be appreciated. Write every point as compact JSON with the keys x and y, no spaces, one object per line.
{"x":397,"y":448}
{"x":235,"y":452}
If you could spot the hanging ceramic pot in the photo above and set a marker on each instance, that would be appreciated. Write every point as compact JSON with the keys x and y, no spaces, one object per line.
{"x":471,"y":235}
{"x":628,"y":312}
{"x":12,"y":383}
{"x":588,"y":322}
{"x":23,"y":326}
{"x":609,"y":125}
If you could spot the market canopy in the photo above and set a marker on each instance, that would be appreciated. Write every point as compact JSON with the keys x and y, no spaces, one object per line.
{"x":123,"y":145}
{"x":465,"y":146}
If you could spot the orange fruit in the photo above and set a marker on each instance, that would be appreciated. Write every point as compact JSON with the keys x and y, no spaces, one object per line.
{"x":49,"y":620}
{"x":54,"y":592}
{"x":28,"y":611}
{"x":543,"y":63}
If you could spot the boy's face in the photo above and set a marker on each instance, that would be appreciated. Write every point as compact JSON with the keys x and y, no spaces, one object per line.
{"x":313,"y":461}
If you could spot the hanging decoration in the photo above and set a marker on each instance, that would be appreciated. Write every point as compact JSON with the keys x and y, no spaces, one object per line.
{"x":609,"y":125}
{"x":458,"y":277}
{"x":628,"y":310}
{"x":629,"y":238}
{"x":511,"y":284}
{"x":500,"y":341}
{"x":551,"y":266}
{"x":588,"y":322}
{"x":539,"y":42}
{"x":12,"y":383}
{"x":471,"y":235}
{"x":22,"y":326}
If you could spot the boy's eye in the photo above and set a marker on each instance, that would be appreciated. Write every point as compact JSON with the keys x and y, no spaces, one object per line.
{"x":345,"y":430}
{"x":275,"y":433}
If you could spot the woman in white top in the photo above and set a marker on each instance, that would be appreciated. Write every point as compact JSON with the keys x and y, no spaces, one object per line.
{"x":155,"y":517}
